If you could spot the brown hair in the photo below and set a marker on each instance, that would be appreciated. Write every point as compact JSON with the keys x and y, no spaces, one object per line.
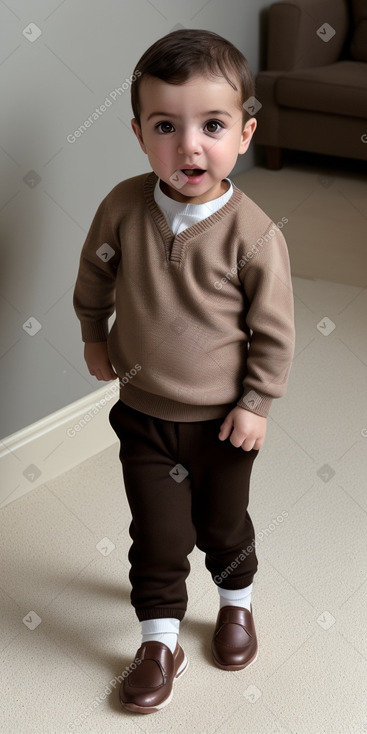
{"x":184,"y":53}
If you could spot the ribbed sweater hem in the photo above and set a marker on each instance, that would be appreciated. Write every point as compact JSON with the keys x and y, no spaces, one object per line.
{"x":170,"y":410}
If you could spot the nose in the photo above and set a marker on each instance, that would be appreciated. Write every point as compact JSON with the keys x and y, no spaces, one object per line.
{"x":189,"y":143}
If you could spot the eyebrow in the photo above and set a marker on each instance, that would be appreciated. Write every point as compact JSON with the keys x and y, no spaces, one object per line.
{"x":204,"y":114}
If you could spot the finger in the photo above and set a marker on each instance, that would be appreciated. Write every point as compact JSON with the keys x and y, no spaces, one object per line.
{"x":101,"y":375}
{"x":225,"y":429}
{"x":105,"y":377}
{"x":237,"y":438}
{"x":108,"y":372}
{"x":247,"y":445}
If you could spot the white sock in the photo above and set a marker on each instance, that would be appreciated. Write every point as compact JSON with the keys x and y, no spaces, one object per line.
{"x":164,"y":630}
{"x":235,"y":597}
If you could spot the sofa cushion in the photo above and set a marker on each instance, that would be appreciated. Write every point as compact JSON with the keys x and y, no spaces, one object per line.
{"x":339,"y":88}
{"x":358,"y":45}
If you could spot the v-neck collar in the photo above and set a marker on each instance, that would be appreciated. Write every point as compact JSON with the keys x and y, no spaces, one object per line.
{"x":175,"y":243}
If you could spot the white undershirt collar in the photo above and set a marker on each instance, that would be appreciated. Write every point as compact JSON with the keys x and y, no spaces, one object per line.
{"x":180,"y":216}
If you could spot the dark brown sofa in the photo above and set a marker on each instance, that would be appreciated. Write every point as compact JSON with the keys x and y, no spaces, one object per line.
{"x":314,"y":89}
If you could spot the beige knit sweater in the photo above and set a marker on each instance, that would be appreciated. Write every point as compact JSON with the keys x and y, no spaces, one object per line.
{"x":204,"y":320}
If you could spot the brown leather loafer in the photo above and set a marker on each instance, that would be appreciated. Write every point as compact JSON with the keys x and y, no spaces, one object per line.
{"x":149,"y":686}
{"x":234,"y":644}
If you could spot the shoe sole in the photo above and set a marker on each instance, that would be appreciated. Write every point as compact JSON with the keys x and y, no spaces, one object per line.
{"x":236,"y":667}
{"x":152,"y":709}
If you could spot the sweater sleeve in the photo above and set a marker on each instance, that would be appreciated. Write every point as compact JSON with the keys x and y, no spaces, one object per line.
{"x":268,"y":290}
{"x":94,"y":292}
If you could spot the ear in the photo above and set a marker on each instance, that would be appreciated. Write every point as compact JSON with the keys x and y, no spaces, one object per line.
{"x":137,"y":130}
{"x":247,"y":134}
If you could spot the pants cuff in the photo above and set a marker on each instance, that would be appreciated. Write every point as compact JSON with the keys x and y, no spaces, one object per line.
{"x":159,"y":613}
{"x":233,"y":584}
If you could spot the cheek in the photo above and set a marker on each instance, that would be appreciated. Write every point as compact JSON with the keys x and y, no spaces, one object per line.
{"x":227,"y":147}
{"x":221,"y":150}
{"x":159,"y":147}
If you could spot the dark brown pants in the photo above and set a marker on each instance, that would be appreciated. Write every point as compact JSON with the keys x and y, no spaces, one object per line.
{"x":185,"y":487}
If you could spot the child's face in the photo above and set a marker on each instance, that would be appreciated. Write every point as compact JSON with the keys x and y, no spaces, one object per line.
{"x":193,"y":124}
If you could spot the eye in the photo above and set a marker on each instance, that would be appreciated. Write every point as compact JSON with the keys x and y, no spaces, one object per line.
{"x":214,"y":122}
{"x":161,"y":125}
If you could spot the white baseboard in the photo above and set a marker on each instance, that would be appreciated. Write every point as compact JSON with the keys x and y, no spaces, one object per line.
{"x":44,"y":450}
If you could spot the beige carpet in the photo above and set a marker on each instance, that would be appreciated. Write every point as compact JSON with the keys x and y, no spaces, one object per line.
{"x":326,"y":205}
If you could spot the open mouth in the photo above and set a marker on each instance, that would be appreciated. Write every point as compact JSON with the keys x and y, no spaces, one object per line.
{"x":192,"y":171}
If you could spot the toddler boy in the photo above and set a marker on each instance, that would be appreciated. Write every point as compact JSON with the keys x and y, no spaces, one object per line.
{"x":202,"y":342}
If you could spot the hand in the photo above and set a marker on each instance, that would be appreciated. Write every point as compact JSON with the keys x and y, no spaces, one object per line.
{"x":99,"y":365}
{"x":249,"y":429}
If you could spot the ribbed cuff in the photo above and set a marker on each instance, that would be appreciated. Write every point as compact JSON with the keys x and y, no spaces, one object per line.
{"x":159,"y":613}
{"x":94,"y":331}
{"x":239,"y":582}
{"x":255,"y":402}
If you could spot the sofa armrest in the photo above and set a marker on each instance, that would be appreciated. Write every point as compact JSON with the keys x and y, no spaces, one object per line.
{"x":293,"y":42}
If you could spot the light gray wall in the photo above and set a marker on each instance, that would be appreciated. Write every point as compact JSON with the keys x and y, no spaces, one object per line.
{"x":50,"y":188}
